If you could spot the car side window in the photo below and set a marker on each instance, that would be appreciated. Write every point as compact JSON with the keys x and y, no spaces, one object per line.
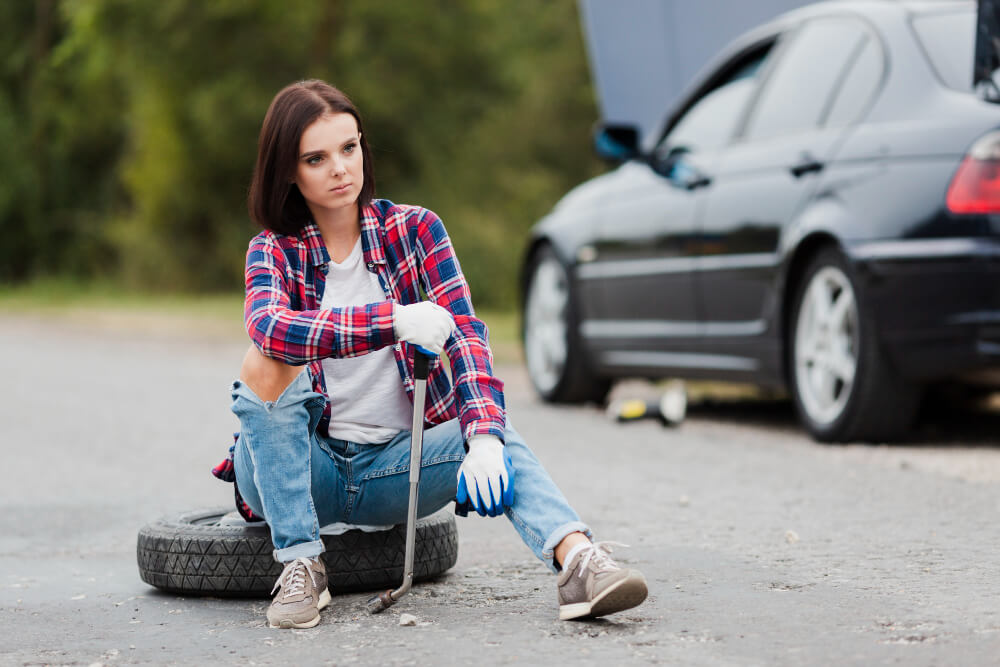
{"x":711,"y":121}
{"x":860,"y":85}
{"x":798,"y":91}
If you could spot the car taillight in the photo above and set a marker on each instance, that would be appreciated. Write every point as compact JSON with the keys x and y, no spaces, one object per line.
{"x":976,"y":185}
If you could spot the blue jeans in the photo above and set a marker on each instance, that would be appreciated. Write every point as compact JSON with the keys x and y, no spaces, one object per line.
{"x":299,"y":479}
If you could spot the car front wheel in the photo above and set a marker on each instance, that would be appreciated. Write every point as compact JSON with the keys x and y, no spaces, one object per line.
{"x":552,"y":350}
{"x":844,"y":387}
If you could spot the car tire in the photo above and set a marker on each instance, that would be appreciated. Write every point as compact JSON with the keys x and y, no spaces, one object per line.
{"x":553,"y":351}
{"x":210,"y":552}
{"x":843,"y":385}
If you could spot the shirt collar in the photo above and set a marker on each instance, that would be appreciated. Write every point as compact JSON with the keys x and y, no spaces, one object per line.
{"x":371,"y":235}
{"x":371,"y":239}
{"x":313,"y":239}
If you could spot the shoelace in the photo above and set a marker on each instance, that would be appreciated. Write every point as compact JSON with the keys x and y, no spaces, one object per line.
{"x":600,"y":555}
{"x":293,"y":578}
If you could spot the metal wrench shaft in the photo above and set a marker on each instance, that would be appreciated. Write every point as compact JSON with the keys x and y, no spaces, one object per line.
{"x":421,"y":367}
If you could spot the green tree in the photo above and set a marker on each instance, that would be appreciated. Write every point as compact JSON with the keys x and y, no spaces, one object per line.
{"x":60,"y":127}
{"x":134,"y":125}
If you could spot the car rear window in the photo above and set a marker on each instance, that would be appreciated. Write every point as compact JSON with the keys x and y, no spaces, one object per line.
{"x":949,"y":39}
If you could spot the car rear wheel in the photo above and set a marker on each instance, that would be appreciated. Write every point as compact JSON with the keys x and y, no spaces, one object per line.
{"x":554,"y":356}
{"x":843,"y":385}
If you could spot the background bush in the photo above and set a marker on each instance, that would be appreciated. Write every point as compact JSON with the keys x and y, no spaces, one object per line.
{"x":130,"y":127}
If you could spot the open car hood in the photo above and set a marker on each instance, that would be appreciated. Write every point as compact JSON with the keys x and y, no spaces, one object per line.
{"x":987,"y":60}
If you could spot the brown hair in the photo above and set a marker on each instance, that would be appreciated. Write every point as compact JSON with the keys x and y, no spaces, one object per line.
{"x":275,"y":202}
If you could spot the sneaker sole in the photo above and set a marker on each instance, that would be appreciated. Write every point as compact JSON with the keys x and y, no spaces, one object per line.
{"x":629,"y":592}
{"x":289,"y":624}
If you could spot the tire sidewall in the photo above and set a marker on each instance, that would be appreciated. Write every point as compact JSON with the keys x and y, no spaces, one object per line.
{"x":577,"y":381}
{"x":542,"y":256}
{"x":179,"y":555}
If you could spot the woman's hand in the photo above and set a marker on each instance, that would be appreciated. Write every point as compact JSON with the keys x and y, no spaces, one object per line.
{"x":486,"y":477}
{"x":425,"y":324}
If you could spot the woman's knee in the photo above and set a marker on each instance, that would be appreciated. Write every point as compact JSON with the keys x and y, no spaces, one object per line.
{"x":516,"y":446}
{"x":266,"y":377}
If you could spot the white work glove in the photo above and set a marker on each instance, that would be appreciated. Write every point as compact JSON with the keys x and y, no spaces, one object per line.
{"x":425,"y":324}
{"x":486,"y":477}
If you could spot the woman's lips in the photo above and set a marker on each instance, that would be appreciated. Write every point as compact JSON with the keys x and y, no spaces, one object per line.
{"x":341,"y":188}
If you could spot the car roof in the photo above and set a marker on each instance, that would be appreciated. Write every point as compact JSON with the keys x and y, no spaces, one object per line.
{"x":874,"y":10}
{"x":886,"y":14}
{"x":922,"y":6}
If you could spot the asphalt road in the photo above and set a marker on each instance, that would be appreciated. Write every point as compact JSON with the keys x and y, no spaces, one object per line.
{"x":760,"y":547}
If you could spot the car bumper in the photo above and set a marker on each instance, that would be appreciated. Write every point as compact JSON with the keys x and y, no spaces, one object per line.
{"x":936,"y":305}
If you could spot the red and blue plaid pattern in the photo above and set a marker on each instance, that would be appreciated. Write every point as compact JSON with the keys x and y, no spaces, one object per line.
{"x":408,"y":248}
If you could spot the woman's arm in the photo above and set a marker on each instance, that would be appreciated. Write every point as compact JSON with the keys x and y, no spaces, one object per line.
{"x":297,"y":337}
{"x":478,"y":393}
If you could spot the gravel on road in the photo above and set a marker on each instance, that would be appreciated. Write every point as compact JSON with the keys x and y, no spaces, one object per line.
{"x":760,"y":546}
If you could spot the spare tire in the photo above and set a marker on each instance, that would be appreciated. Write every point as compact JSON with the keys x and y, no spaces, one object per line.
{"x":214,"y":552}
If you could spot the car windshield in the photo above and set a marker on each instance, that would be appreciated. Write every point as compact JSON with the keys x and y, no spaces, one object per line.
{"x":949,"y":41}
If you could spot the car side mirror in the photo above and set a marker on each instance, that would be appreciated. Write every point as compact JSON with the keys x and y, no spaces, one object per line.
{"x":617,"y":143}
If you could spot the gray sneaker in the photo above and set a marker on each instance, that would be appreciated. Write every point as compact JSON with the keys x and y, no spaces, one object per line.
{"x":303,"y":593}
{"x":593,"y":585}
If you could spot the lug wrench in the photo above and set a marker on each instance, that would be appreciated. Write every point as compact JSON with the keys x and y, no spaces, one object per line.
{"x":421,"y":367}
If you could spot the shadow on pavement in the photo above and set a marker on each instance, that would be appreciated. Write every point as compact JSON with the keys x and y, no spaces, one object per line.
{"x":947,"y":416}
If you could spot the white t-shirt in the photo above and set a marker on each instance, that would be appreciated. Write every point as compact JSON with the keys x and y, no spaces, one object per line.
{"x":368,"y":403}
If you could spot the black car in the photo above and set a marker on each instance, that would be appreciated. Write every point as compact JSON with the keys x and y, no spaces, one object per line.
{"x":821,"y":212}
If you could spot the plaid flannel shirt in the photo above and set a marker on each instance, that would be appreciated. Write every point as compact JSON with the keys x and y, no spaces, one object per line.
{"x":408,"y":249}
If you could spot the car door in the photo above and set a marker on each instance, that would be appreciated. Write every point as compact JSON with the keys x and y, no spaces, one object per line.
{"x":644,"y":257}
{"x":766,"y":175}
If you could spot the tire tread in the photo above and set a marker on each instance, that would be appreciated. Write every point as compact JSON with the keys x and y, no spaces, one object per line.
{"x":179,"y":556}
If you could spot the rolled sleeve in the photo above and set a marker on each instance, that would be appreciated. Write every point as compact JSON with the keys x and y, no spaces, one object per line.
{"x":480,"y":398}
{"x":298,"y":337}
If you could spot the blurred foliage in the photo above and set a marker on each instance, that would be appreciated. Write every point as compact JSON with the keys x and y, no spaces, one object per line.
{"x":130,"y":127}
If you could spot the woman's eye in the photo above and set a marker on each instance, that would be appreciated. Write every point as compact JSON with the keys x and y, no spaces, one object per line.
{"x":315,"y":159}
{"x":349,"y":148}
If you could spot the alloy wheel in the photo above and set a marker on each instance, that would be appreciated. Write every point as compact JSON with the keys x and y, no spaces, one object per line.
{"x":826,"y":345}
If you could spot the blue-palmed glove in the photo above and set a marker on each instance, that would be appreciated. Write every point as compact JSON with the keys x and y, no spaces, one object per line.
{"x":486,"y":478}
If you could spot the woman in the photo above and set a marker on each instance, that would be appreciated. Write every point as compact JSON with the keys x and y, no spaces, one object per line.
{"x":333,"y":283}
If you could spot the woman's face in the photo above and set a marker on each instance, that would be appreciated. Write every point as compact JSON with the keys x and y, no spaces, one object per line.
{"x":330,"y":169}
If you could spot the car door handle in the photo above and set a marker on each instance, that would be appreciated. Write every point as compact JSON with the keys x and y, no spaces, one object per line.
{"x":697,"y":181}
{"x":807,"y":166}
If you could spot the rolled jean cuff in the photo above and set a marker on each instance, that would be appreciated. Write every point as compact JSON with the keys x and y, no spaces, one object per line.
{"x":557,"y":536}
{"x":301,"y":550}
